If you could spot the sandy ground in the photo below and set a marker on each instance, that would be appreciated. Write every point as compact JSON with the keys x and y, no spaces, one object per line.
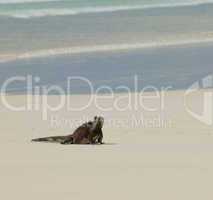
{"x":144,"y":160}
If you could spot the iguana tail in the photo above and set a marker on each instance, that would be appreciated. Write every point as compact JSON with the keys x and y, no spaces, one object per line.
{"x":53,"y":139}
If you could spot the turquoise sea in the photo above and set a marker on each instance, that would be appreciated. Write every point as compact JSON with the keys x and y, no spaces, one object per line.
{"x":164,"y":42}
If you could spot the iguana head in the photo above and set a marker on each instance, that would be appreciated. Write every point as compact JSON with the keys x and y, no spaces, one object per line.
{"x":98,"y":122}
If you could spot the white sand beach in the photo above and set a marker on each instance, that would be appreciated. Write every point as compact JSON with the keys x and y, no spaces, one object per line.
{"x":171,"y":159}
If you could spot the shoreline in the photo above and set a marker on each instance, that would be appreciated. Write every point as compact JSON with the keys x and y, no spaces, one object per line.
{"x":106,"y":94}
{"x":135,"y":104}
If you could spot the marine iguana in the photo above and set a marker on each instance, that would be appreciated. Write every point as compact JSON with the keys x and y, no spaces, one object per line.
{"x":87,"y":133}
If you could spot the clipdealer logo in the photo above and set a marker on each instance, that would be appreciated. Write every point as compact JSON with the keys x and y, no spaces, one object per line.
{"x":206,"y":116}
{"x":38,"y":97}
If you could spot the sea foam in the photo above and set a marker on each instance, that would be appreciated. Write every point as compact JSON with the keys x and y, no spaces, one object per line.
{"x":23,"y":1}
{"x":101,"y":48}
{"x":29,"y":13}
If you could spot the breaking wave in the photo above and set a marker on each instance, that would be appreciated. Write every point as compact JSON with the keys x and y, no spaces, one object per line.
{"x":29,"y":13}
{"x":100,"y":48}
{"x":23,"y":1}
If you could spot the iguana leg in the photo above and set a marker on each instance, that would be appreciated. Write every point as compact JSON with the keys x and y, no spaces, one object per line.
{"x":91,"y":139}
{"x":100,"y":139}
{"x":85,"y":141}
{"x":67,"y":141}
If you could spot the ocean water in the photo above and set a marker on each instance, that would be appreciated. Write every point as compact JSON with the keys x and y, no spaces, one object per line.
{"x":41,"y":8}
{"x":172,"y":68}
{"x":163,"y":42}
